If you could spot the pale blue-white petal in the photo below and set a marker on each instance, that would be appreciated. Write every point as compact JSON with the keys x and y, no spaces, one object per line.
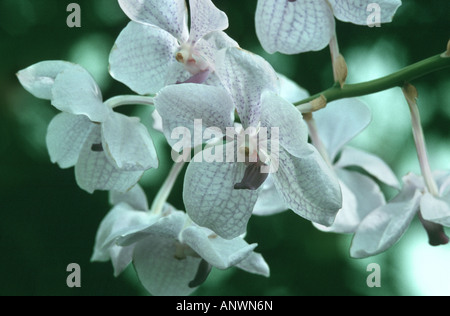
{"x":436,"y":209}
{"x":219,"y":252}
{"x":246,"y":76}
{"x":359,"y":11}
{"x":308,"y":186}
{"x":141,"y":57}
{"x":360,"y":196}
{"x":75,"y":91}
{"x":169,"y":224}
{"x":128,"y":143}
{"x":159,"y":259}
{"x":212,"y":42}
{"x":205,"y":18}
{"x":292,"y":27}
{"x":210,"y":198}
{"x":372,"y":164}
{"x":340,"y":122}
{"x":256,"y":264}
{"x":191,"y":108}
{"x":94,"y":171}
{"x":290,"y":90}
{"x":66,"y":135}
{"x":170,"y":16}
{"x":269,"y":200}
{"x":442,"y":178}
{"x":135,"y":197}
{"x":121,"y":220}
{"x":278,"y":113}
{"x":38,"y":79}
{"x":160,"y":271}
{"x":384,"y":226}
{"x":121,"y":257}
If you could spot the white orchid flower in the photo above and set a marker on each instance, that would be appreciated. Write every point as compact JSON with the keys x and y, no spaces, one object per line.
{"x":157,"y":48}
{"x":110,"y":151}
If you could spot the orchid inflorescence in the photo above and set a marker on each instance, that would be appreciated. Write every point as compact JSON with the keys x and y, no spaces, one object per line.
{"x":266,"y":145}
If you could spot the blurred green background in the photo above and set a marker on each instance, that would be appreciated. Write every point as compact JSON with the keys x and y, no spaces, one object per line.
{"x":47,"y":222}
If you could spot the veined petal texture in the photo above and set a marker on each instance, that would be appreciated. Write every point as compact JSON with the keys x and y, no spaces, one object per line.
{"x":292,"y":27}
{"x":169,"y":15}
{"x":142,"y":56}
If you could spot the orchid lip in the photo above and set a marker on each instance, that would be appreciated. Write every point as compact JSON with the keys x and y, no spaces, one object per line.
{"x":253,"y":177}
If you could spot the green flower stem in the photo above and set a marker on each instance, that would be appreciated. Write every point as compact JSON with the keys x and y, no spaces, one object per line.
{"x":396,"y":79}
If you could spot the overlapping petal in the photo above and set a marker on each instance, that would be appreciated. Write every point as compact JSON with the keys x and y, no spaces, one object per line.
{"x":436,"y":209}
{"x":246,"y":76}
{"x":269,"y":201}
{"x":308,"y":186}
{"x":384,"y":226}
{"x":135,"y":197}
{"x":219,"y":252}
{"x":128,"y":143}
{"x":211,"y":200}
{"x":170,"y":16}
{"x":340,"y":122}
{"x":180,"y":105}
{"x":358,"y":11}
{"x":141,"y":56}
{"x":291,"y":27}
{"x":205,"y":18}
{"x":94,"y":171}
{"x":372,"y":164}
{"x":38,"y":79}
{"x":360,"y":196}
{"x":159,"y":271}
{"x":279,"y":113}
{"x":66,"y":135}
{"x":75,"y":91}
{"x":121,"y":220}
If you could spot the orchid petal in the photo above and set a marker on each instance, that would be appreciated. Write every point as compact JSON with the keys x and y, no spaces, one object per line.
{"x":181,"y":106}
{"x":290,"y":90}
{"x":141,"y":57}
{"x":308,"y":186}
{"x":383,"y":227}
{"x":435,"y":209}
{"x":279,"y":113}
{"x":246,"y":76}
{"x":220,"y":253}
{"x":372,"y":164}
{"x":128,"y":143}
{"x":292,"y":27}
{"x":135,"y":197}
{"x":205,"y":18}
{"x":168,"y":223}
{"x":170,"y":16}
{"x":121,"y":257}
{"x":158,"y":269}
{"x":66,"y":135}
{"x":75,"y":91}
{"x":360,"y":196}
{"x":211,"y":200}
{"x":340,"y":122}
{"x":269,"y":200}
{"x":256,"y":264}
{"x":358,"y":11}
{"x":122,"y":219}
{"x":94,"y":171}
{"x":38,"y":79}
